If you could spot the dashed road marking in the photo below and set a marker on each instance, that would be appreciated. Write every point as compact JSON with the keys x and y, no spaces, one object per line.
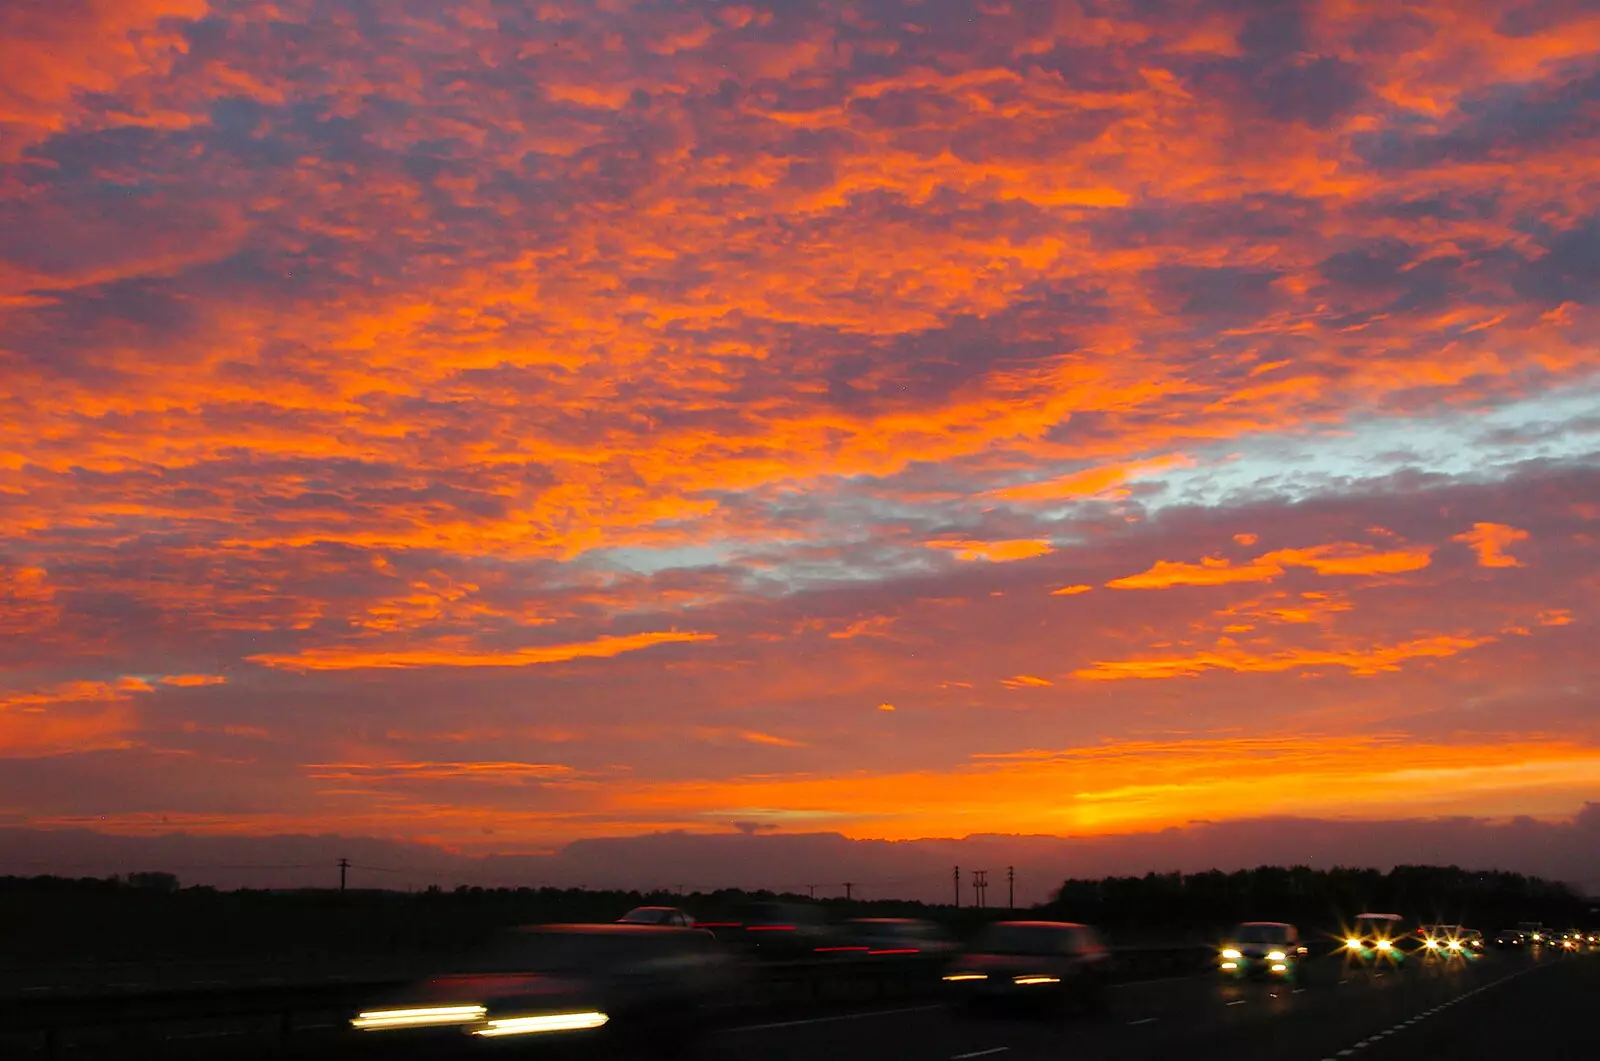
{"x":980,"y":1053}
{"x":1143,"y":1020}
{"x":1238,"y":1002}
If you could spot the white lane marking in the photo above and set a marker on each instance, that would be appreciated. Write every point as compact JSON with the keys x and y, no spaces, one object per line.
{"x":829,"y":1020}
{"x":1143,"y":1020}
{"x":980,"y":1053}
{"x":1238,"y":1002}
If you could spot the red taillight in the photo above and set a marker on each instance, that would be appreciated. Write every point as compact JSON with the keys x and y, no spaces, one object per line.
{"x":827,"y":950}
{"x":897,"y":950}
{"x":770,"y":928}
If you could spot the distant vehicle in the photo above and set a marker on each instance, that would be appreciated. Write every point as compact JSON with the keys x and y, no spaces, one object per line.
{"x":1473,"y":939}
{"x":1263,"y":949}
{"x":895,"y":938}
{"x":1377,"y":938}
{"x":787,"y":929}
{"x":1443,"y":941}
{"x":670,"y":916}
{"x":1533,"y":932}
{"x":1051,"y":964}
{"x":1571,"y":940}
{"x":1508,"y":938}
{"x":618,"y":985}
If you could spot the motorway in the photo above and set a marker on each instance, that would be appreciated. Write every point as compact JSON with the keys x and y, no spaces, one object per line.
{"x":1503,"y":1005}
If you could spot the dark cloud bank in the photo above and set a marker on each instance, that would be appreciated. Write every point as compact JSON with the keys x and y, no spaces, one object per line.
{"x":920,"y":869}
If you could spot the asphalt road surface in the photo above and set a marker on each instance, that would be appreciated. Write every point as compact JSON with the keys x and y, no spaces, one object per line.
{"x":1529,"y":1006}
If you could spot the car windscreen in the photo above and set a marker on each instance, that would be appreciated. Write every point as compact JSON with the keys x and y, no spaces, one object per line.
{"x":564,"y":952}
{"x":1019,"y":939}
{"x":647,"y":915}
{"x":1261,"y":934}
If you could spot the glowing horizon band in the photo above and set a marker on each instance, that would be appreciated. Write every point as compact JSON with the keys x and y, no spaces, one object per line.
{"x":546,"y":1022}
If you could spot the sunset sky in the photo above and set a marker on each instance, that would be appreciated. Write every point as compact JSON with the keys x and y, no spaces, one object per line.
{"x":495,"y":424}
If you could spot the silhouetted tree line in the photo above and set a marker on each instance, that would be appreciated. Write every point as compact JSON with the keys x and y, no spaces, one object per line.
{"x":1317,"y":899}
{"x":148,"y":917}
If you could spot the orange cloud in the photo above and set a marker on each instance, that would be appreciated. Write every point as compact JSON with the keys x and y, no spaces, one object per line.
{"x":1210,"y":571}
{"x":1090,"y":482}
{"x":71,"y":717}
{"x":1026,"y":681}
{"x":1490,"y":541}
{"x":193,"y":681}
{"x":755,"y":737}
{"x":874,"y":626}
{"x":1357,"y":661}
{"x":355,"y":657}
{"x":998,"y":552}
{"x":1070,"y":591}
{"x":1337,"y":558}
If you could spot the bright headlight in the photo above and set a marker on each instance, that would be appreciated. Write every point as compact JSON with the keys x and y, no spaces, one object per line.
{"x":1455,"y":944}
{"x":1231,"y":953}
{"x":378,"y":1020}
{"x":1432,"y":944}
{"x":1276,"y":956}
{"x":545,"y":1022}
{"x":1353,"y":944}
{"x":1384,"y":944}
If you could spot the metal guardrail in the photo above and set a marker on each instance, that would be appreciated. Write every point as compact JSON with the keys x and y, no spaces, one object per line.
{"x":43,"y":1026}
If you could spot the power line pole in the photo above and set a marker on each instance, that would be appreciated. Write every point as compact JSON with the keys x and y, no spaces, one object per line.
{"x":980,"y":884}
{"x":955,"y":875}
{"x":1011,"y":887}
{"x":849,"y":890}
{"x":812,"y":888}
{"x":344,"y":864}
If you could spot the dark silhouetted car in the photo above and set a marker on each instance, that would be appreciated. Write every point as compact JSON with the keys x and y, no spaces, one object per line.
{"x":787,"y":930}
{"x":670,"y":916}
{"x":619,"y":987}
{"x":1049,"y":964}
{"x":1507,"y":938}
{"x":897,"y":937}
{"x":1267,"y":949}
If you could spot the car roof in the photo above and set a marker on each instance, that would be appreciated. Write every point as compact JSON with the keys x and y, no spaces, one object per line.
{"x":1378,"y":917}
{"x":1274,"y":924}
{"x":638,"y":908}
{"x":1039,"y":924}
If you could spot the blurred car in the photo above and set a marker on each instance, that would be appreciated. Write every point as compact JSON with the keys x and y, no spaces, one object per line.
{"x":1375,"y":939}
{"x":606,"y":987}
{"x":1473,"y":939}
{"x":670,"y":916}
{"x":1263,"y":949}
{"x":775,"y":929}
{"x":1050,"y":964}
{"x":1533,"y":932}
{"x":1570,"y":941}
{"x":1508,"y":938}
{"x":900,"y":939}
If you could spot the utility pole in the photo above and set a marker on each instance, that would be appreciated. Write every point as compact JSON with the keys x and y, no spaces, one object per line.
{"x":1011,"y":887}
{"x":849,"y":890}
{"x":955,"y":875}
{"x":980,"y":884}
{"x":344,"y":864}
{"x":812,"y":888}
